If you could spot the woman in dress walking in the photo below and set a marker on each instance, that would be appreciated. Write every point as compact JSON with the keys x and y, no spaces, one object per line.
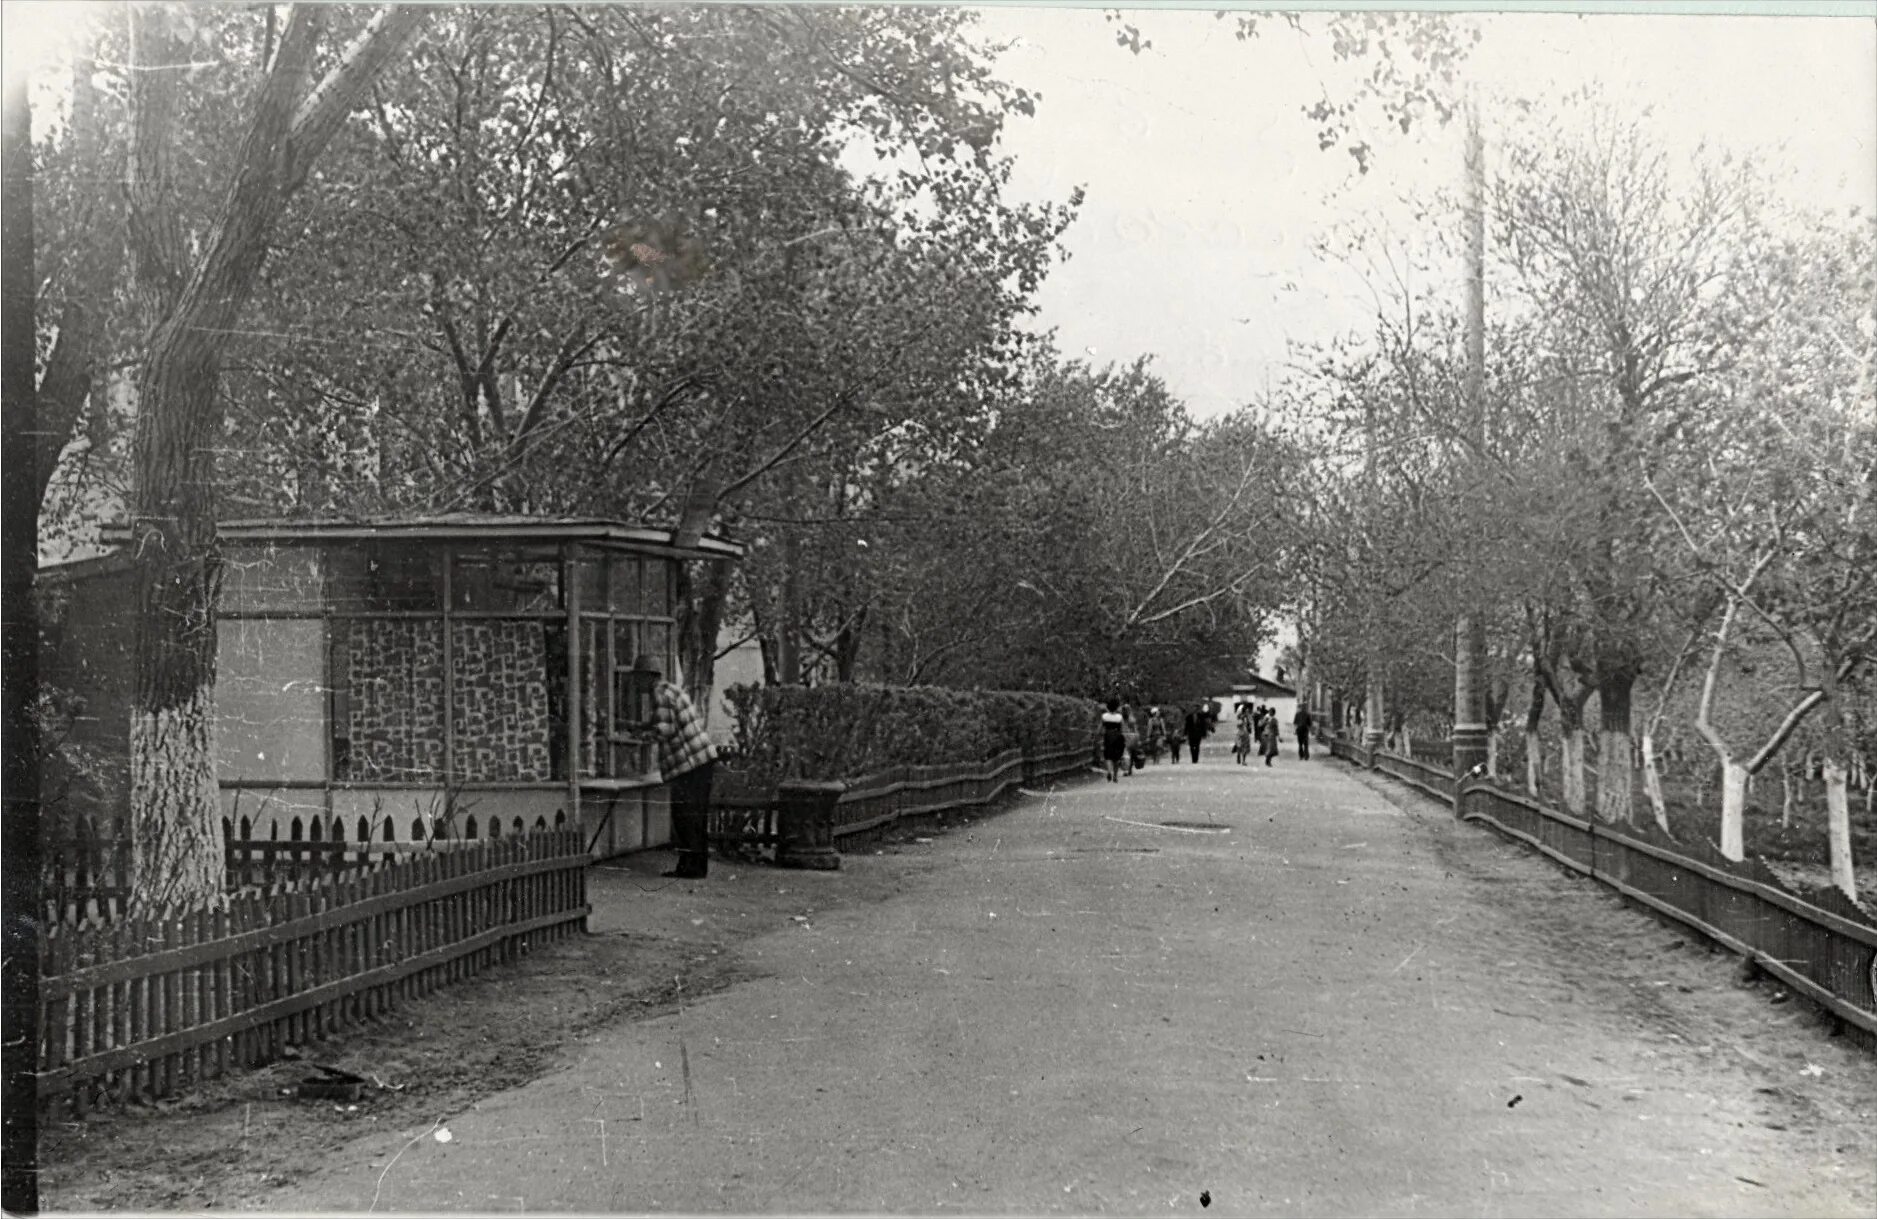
{"x":1113,"y":743}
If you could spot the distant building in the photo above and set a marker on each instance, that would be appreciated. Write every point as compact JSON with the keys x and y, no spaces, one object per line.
{"x":1262,"y":692}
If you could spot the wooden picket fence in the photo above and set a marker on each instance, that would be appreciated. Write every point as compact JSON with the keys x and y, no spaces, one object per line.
{"x":84,"y":868}
{"x":143,"y":1009}
{"x":1822,"y":944}
{"x":85,"y":864}
{"x":749,"y":820}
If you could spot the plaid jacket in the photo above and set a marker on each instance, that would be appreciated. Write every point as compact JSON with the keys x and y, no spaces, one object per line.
{"x":682,"y":742}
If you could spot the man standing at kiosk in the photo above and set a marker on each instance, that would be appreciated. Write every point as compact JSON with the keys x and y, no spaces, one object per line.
{"x":686,"y":760}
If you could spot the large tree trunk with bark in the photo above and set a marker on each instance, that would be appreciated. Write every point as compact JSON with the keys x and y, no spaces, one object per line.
{"x":196,"y":302}
{"x":1616,"y":774}
{"x":175,"y":849}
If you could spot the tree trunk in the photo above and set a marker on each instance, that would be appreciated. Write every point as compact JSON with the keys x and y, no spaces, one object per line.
{"x":1572,"y":762}
{"x":1785,"y":793}
{"x":197,"y":300}
{"x":1534,"y":744}
{"x":703,"y":587}
{"x":175,"y":849}
{"x":1571,"y":751}
{"x":1652,"y":783}
{"x":1838,"y":826}
{"x":1616,"y":776}
{"x":19,"y":645}
{"x":1838,"y":752}
{"x":767,"y":648}
{"x":847,"y":646}
{"x":789,"y":634}
{"x":1734,"y":778}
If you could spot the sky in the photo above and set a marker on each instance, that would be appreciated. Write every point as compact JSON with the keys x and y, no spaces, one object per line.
{"x":1214,"y":232}
{"x":1213,"y":235}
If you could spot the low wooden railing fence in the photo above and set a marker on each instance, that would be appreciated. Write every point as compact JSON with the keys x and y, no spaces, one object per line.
{"x":1822,"y":945}
{"x":144,"y":1008}
{"x":873,"y":802}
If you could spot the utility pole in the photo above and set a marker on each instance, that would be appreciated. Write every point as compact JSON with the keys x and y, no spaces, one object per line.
{"x":1372,"y":708}
{"x":1470,"y":732}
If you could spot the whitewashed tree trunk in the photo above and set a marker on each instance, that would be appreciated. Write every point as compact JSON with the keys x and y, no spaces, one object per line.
{"x":1652,"y":783}
{"x":1572,"y":762}
{"x":1492,"y":753}
{"x":1534,"y":761}
{"x":1734,"y":780}
{"x":1616,"y":758}
{"x":1407,"y":742}
{"x":1838,"y":826}
{"x":1785,"y":794}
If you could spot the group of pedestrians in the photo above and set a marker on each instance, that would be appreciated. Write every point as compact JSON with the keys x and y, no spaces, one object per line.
{"x":1258,"y":723}
{"x":1129,"y":743}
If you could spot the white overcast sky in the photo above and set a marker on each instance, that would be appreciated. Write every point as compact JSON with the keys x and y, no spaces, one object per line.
{"x":1206,"y":192}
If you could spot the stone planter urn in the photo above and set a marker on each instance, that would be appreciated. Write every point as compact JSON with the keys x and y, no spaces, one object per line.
{"x":805,"y":824}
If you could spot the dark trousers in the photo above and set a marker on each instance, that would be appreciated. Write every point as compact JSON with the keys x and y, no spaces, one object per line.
{"x":690,"y":819}
{"x":1194,"y":742}
{"x":1303,"y":746}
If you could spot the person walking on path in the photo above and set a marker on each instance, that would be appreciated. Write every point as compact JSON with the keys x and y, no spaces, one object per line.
{"x":1268,"y":736}
{"x":1156,"y":733}
{"x":1302,"y":722}
{"x":1131,"y":738}
{"x":686,"y":762}
{"x":1113,"y":742}
{"x":1196,"y":726}
{"x":1241,"y":746}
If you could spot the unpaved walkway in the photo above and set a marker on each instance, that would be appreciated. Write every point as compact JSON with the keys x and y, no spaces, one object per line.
{"x":1337,"y":1002}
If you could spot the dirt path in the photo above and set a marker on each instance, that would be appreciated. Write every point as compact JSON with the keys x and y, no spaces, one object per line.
{"x":1311,"y":993}
{"x":1334,"y":1001}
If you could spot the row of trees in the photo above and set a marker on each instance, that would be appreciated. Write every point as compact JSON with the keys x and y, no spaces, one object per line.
{"x":1663,"y":503}
{"x":752,"y":265}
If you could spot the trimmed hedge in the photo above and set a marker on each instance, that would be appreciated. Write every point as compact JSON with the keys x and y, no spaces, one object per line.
{"x":845,"y":731}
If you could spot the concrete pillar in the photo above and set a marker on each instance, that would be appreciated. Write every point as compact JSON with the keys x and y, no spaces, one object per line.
{"x":1372,"y":715}
{"x":1469,"y":694}
{"x":1469,"y":701}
